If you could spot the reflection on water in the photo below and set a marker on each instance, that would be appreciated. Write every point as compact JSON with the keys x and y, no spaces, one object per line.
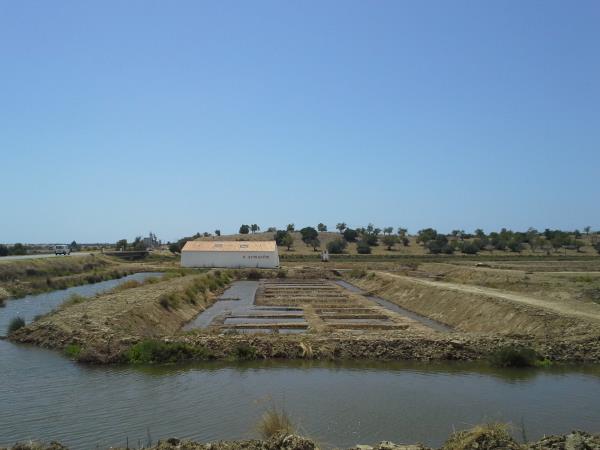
{"x":340,"y":404}
{"x":34,"y":305}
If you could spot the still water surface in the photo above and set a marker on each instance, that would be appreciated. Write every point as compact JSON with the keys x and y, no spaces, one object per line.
{"x":45,"y":396}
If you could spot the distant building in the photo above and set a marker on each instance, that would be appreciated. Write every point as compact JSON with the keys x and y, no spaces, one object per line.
{"x":151,"y":241}
{"x":230,"y":254}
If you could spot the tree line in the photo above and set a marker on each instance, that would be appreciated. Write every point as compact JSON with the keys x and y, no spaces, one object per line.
{"x":433,"y":241}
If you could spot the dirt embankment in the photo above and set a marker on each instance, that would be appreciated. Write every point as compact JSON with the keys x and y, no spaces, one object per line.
{"x":25,"y":277}
{"x":106,"y":325}
{"x":472,"y":309}
{"x":483,"y":437}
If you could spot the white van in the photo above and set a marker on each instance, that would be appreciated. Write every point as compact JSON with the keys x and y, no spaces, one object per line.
{"x":62,"y":249}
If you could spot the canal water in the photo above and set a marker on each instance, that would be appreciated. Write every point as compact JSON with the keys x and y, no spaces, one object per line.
{"x":33,"y":305}
{"x":45,"y":396}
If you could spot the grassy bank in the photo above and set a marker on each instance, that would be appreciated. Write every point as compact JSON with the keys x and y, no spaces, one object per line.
{"x":21,"y":278}
{"x":106,"y":326}
{"x":277,"y":433}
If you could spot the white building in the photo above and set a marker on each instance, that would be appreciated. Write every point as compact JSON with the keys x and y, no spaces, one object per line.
{"x":231,"y":254}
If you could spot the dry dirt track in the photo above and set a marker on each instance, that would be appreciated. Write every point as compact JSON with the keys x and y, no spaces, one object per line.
{"x":572,"y":308}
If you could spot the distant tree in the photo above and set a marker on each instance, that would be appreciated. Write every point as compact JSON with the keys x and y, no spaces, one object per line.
{"x":515,"y":246}
{"x":121,"y":244}
{"x":206,"y":234}
{"x":315,"y":243}
{"x":479,"y":233}
{"x":370,"y":234}
{"x":244,"y":229}
{"x":322,"y":227}
{"x":288,"y":241}
{"x":350,"y":235}
{"x":341,"y":227}
{"x":389,"y":240}
{"x":138,"y":244}
{"x":402,"y":232}
{"x":436,"y":245}
{"x":469,"y":249}
{"x":388,"y":230}
{"x":448,"y":249}
{"x":218,"y":232}
{"x":254,"y":227}
{"x":336,"y":246}
{"x":577,"y":234}
{"x":426,"y":235}
{"x":280,"y":236}
{"x":3,"y":250}
{"x":290,"y":227}
{"x":271,"y":229}
{"x":587,"y":230}
{"x":74,"y":246}
{"x":174,"y":248}
{"x":363,"y":247}
{"x":308,"y":234}
{"x":18,"y":249}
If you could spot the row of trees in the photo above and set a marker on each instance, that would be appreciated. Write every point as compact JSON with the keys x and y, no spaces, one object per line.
{"x":515,"y":241}
{"x":137,"y":244}
{"x":16,"y":249}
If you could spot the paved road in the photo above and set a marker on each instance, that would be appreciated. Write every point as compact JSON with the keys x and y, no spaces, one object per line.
{"x":49,"y":255}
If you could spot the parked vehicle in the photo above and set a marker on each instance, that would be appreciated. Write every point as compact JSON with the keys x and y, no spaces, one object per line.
{"x":62,"y":250}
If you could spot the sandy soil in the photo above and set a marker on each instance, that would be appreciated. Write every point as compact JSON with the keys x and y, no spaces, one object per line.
{"x":588,"y":311}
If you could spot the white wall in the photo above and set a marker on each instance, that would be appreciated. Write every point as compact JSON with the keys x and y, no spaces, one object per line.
{"x":263,"y":260}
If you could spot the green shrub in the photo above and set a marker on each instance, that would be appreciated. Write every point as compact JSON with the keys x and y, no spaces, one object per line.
{"x":168,"y":301}
{"x":15,"y":324}
{"x":73,"y":351}
{"x":275,"y":422}
{"x":245,"y":351}
{"x":363,"y":248}
{"x":253,"y":275}
{"x":358,"y":273}
{"x":74,"y":299}
{"x":511,"y":356}
{"x":469,"y":248}
{"x":336,"y":246}
{"x":155,"y":351}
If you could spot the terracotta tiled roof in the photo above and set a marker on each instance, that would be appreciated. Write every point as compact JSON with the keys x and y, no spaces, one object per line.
{"x":229,"y":246}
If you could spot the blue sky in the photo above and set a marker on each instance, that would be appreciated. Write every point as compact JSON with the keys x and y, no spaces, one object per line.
{"x":117,"y":118}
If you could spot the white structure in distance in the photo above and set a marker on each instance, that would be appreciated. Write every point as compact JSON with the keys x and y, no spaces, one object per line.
{"x":230,"y":254}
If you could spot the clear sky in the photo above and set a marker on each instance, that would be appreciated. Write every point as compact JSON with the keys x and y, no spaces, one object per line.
{"x":119,"y":118}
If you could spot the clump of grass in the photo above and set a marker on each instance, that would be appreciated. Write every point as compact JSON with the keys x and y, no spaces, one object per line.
{"x":486,"y":436}
{"x":511,"y":356}
{"x":74,"y":299}
{"x":154,"y":351}
{"x":281,"y":273}
{"x":244,"y":351}
{"x":273,"y":422}
{"x":129,"y":284}
{"x":15,"y":324}
{"x":358,"y":273}
{"x":73,"y":351}
{"x":253,"y":275}
{"x":199,"y":286}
